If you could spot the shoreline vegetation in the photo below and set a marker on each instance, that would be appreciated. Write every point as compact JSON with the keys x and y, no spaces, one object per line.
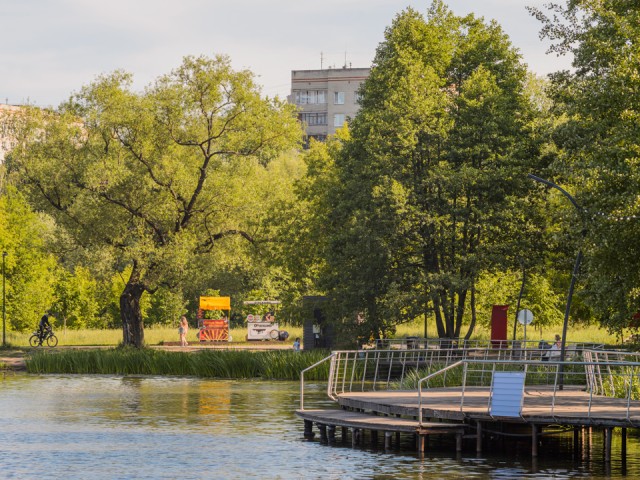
{"x":238,"y":361}
{"x":222,"y":364}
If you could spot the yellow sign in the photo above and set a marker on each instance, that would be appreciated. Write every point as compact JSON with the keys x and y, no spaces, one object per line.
{"x":215,"y":303}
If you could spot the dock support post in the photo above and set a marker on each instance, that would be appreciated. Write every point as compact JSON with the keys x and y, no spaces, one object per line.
{"x":344,"y":434}
{"x":420,"y":443}
{"x":354,"y":437}
{"x":458,"y":442}
{"x":608,"y":433}
{"x":308,"y":430}
{"x":323,"y":433}
{"x":534,"y":440}
{"x":387,"y":440}
{"x":623,"y":445}
{"x":479,"y":437}
{"x":331,"y":434}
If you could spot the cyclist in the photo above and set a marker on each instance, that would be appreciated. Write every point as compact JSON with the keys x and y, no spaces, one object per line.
{"x":44,"y":326}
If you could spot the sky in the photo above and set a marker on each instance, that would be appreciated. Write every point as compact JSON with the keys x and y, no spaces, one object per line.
{"x":51,"y":48}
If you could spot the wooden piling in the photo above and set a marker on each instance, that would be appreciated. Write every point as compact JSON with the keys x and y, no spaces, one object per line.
{"x":534,"y":440}
{"x":608,"y":434}
{"x":331,"y":434}
{"x":308,"y":430}
{"x":323,"y":433}
{"x":479,"y":437}
{"x":387,"y":440}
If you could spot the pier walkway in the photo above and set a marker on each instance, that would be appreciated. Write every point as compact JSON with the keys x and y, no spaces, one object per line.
{"x":460,"y":393}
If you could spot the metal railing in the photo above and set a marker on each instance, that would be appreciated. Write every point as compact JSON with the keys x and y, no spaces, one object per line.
{"x":409,"y":343}
{"x":380,"y":370}
{"x":610,"y":375}
{"x":329,"y":393}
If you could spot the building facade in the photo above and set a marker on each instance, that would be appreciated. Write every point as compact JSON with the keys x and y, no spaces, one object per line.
{"x":7,"y":137}
{"x":326,"y":99}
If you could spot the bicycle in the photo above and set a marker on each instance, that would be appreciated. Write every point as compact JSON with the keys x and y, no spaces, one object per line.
{"x":48,"y":336}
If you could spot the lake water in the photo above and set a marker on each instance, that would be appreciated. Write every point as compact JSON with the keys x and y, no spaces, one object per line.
{"x":157,"y":427}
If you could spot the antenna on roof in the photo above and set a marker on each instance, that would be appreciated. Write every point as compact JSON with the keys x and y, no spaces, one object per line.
{"x":321,"y":60}
{"x":345,"y":59}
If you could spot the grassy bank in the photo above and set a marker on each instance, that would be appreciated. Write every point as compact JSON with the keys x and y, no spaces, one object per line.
{"x":575,"y":333}
{"x":156,"y":335}
{"x":268,"y":365}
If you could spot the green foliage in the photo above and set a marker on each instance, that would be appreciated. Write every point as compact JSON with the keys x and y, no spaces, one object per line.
{"x":503,"y":289}
{"x":270,"y":365}
{"x":598,"y":145}
{"x":166,"y":307}
{"x":156,"y":179}
{"x":426,"y":190}
{"x":29,"y":269}
{"x":75,"y":304}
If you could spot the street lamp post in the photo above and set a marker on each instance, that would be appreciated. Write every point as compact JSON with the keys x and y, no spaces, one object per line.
{"x":576,"y":269}
{"x":4,"y":309}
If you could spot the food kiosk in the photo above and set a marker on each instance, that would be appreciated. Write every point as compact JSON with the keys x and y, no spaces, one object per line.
{"x":214,"y":329}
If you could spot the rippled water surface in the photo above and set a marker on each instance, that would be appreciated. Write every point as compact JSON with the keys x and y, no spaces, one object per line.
{"x":150,"y":427}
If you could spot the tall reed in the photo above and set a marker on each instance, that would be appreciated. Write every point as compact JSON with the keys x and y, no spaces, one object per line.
{"x":236,"y":364}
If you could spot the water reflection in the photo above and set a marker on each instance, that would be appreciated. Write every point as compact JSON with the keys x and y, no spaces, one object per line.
{"x":149,"y":427}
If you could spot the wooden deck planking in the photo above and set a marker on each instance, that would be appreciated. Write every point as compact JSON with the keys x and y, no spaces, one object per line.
{"x":345,"y":418}
{"x":571,"y":405}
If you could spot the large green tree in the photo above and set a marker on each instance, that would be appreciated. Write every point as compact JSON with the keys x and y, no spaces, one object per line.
{"x":599,"y":161}
{"x":432,"y":183}
{"x":154,"y":177}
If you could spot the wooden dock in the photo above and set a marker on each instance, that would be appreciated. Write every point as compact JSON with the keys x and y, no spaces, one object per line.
{"x":445,"y":413}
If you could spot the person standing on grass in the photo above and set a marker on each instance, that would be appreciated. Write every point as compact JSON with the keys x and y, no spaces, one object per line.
{"x":296,"y":345}
{"x":182,"y":330}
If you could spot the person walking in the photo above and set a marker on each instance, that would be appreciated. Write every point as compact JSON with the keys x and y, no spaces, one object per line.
{"x":183,"y":328}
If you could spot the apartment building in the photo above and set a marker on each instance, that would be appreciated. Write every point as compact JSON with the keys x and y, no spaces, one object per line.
{"x":7,"y":138}
{"x":326,"y":99}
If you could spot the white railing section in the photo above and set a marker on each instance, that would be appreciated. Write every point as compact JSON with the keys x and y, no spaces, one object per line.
{"x":330,"y":357}
{"x":601,"y":372}
{"x":416,"y":343}
{"x":610,"y":376}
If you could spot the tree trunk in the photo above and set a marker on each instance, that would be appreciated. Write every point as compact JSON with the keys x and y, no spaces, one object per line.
{"x":130,"y":313}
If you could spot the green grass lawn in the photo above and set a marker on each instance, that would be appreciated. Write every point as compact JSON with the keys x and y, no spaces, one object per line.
{"x":152,"y":336}
{"x":159,"y":335}
{"x":581,"y":333}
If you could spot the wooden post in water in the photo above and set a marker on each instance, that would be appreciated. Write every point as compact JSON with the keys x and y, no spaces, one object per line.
{"x":308,"y":430}
{"x":331,"y":434}
{"x":387,"y":440}
{"x":458,"y":442}
{"x":534,"y":440}
{"x":323,"y":433}
{"x":608,"y":433}
{"x":421,"y":443}
{"x":623,"y":445}
{"x":479,"y":437}
{"x":354,"y":437}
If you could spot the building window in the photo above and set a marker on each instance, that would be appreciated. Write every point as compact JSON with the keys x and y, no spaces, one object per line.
{"x":305,"y":97}
{"x":338,"y":119}
{"x":310,"y":119}
{"x":338,"y":98}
